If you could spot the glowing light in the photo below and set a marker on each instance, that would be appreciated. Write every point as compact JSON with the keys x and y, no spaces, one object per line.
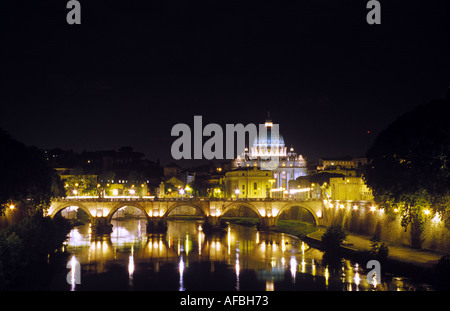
{"x":132,"y":191}
{"x":292,"y":191}
{"x":427,"y":212}
{"x":269,"y":286}
{"x":131,"y":264}
{"x":181,"y":271}
{"x":115,"y":192}
{"x":373,"y":208}
{"x":341,"y":206}
{"x":293,"y":265}
{"x":436,"y":218}
{"x":11,"y":207}
{"x":395,"y":210}
{"x":355,"y":207}
{"x":357,"y":279}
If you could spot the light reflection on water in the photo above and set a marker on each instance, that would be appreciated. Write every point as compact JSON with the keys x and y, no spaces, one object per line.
{"x":187,"y":259}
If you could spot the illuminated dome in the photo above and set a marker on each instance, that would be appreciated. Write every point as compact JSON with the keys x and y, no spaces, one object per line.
{"x":268,"y":144}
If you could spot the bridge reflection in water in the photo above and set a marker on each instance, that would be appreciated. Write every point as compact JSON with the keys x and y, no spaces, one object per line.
{"x":185,"y":258}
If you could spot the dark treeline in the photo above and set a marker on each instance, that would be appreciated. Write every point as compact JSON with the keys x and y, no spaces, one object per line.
{"x":25,"y":249}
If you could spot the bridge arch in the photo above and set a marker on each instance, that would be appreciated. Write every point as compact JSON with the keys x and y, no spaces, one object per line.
{"x":66,"y":205}
{"x":227,"y":207}
{"x":189,"y":204}
{"x":289,"y":205}
{"x":124,"y":204}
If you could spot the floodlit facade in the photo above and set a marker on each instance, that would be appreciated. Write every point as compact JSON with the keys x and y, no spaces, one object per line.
{"x":350,"y":188}
{"x":248,"y":183}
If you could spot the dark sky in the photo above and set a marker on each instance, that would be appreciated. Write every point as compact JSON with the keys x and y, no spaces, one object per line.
{"x":132,"y":70}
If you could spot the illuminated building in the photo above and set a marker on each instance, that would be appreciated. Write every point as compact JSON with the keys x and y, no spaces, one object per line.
{"x":247,"y":183}
{"x":350,"y":188}
{"x":266,"y":146}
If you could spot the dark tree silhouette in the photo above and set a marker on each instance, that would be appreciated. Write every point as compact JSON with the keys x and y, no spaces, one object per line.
{"x":25,"y":177}
{"x":409,"y":163}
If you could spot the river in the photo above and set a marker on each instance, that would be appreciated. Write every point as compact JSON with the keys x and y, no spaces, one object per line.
{"x":185,"y":258}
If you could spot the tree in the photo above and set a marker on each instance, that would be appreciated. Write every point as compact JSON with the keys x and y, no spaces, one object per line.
{"x":333,"y":238}
{"x":25,"y":177}
{"x":331,"y":243}
{"x":409,"y":165}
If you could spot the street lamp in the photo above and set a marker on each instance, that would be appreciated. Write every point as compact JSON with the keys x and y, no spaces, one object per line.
{"x":237,"y":191}
{"x":182,"y":193}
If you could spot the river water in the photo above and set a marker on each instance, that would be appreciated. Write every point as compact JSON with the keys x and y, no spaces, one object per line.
{"x":185,"y":258}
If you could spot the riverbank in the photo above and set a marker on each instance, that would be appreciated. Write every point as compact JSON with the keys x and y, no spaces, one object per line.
{"x":415,"y":263}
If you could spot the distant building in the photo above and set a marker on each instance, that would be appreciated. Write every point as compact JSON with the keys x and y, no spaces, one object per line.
{"x":248,"y":183}
{"x":349,"y":188}
{"x":347,"y":165}
{"x":172,"y":170}
{"x":290,"y":164}
{"x":110,"y":172}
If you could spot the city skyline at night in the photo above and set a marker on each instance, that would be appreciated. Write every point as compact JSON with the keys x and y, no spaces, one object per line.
{"x":216,"y":146}
{"x":127,"y":74}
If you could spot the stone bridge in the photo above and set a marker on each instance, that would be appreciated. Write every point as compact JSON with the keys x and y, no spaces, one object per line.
{"x":156,"y":210}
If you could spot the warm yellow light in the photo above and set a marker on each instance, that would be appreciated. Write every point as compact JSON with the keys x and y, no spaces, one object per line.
{"x":115,"y":192}
{"x":355,"y":207}
{"x":373,"y":208}
{"x":12,"y":207}
{"x":268,"y":124}
{"x":395,"y":210}
{"x":98,"y":185}
{"x":75,"y":191}
{"x":436,"y":218}
{"x":76,"y":184}
{"x":427,"y":212}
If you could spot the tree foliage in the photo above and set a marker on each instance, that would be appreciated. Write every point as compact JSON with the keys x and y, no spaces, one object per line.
{"x":409,"y":164}
{"x":25,"y":177}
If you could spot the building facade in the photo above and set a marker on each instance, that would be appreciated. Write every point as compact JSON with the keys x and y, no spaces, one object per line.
{"x":248,"y":183}
{"x":349,"y":188}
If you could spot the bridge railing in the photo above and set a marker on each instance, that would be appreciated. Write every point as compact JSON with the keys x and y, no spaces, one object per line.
{"x":187,"y":199}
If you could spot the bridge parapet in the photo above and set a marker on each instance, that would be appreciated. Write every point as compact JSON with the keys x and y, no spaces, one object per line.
{"x":268,"y":210}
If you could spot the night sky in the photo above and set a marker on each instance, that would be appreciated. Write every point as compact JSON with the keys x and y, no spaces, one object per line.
{"x":132,"y":70}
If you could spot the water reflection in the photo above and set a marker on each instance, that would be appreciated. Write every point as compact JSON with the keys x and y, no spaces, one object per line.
{"x":185,"y":258}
